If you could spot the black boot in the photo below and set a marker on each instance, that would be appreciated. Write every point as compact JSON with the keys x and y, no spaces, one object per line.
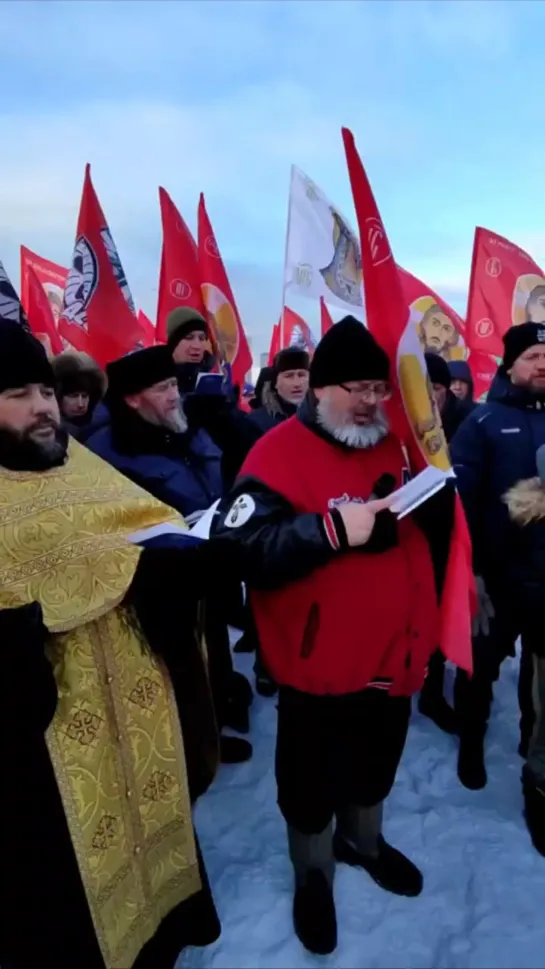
{"x":265,"y":685}
{"x":234,"y":750}
{"x":534,"y":812}
{"x":431,"y":702}
{"x":314,"y":916}
{"x":389,"y":868}
{"x":236,"y":711}
{"x":471,"y":766}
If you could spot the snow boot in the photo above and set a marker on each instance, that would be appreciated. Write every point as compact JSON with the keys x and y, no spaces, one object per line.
{"x":234,"y":750}
{"x":431,"y":702}
{"x":471,"y":767}
{"x":358,"y":842}
{"x":314,"y":916}
{"x":237,"y":706}
{"x":534,"y":812}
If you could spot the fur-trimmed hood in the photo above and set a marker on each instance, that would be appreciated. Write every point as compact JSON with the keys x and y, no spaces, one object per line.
{"x":270,"y":400}
{"x":71,"y":365}
{"x":526,"y":501}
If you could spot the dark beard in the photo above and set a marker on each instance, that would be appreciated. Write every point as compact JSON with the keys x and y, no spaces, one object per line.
{"x":23,"y":454}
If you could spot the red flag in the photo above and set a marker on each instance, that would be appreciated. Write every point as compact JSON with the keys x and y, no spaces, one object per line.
{"x":441,"y":330}
{"x":218,"y":298}
{"x":98,"y":312}
{"x":275,"y":344}
{"x":179,"y":281}
{"x":295,"y":332}
{"x":507,"y":288}
{"x":39,"y":312}
{"x":417,"y":422}
{"x":147,"y":328}
{"x":50,"y":275}
{"x":326,"y":321}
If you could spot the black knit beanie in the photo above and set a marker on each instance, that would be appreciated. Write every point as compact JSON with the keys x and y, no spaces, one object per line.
{"x":180,"y":322}
{"x":438,"y":370}
{"x":348,"y":352}
{"x":139,"y":370}
{"x":23,"y":359}
{"x":521,"y":338}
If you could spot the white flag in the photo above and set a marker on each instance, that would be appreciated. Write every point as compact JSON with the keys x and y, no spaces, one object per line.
{"x":323,"y":255}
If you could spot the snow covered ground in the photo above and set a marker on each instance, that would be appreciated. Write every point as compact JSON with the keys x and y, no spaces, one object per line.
{"x":483,"y":903}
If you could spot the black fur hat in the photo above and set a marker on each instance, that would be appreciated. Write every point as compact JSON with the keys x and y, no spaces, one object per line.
{"x":139,"y":370}
{"x":23,"y":359}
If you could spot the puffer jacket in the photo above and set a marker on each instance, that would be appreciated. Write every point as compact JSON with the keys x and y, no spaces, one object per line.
{"x":494,"y":449}
{"x":273,"y":411}
{"x":182,"y":470}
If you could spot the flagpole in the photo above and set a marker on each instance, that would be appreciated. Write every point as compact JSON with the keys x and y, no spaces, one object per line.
{"x":282,"y":313}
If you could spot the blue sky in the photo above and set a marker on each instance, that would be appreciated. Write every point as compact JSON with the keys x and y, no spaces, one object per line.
{"x":446,"y":100}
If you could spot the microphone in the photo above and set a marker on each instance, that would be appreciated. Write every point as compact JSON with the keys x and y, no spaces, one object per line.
{"x":540,"y":462}
{"x":384,"y":486}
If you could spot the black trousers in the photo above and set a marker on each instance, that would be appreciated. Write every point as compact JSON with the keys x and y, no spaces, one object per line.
{"x":336,"y":751}
{"x":473,"y":695}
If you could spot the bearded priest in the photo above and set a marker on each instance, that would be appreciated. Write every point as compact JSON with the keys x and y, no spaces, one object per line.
{"x":108,"y":733}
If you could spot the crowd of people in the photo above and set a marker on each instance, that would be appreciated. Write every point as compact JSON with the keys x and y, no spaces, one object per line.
{"x":121,"y":696}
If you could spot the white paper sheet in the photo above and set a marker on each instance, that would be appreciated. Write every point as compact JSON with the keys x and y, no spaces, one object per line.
{"x":419,"y":489}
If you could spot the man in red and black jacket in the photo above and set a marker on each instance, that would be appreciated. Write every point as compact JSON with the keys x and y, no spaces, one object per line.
{"x":345,"y":601}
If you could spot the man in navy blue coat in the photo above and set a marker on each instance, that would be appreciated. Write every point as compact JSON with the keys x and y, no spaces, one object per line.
{"x":148,"y":440}
{"x":492,"y":451}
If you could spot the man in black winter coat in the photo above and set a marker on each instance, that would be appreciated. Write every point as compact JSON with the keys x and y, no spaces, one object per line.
{"x":494,"y":449}
{"x":216,"y":413}
{"x":526,"y":505}
{"x":150,"y":442}
{"x":285,"y":390}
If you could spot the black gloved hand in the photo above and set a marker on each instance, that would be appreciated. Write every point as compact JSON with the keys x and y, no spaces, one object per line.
{"x":385,"y":533}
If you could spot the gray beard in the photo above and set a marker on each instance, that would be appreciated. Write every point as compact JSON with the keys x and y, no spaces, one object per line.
{"x":353,"y":435}
{"x":177,"y":422}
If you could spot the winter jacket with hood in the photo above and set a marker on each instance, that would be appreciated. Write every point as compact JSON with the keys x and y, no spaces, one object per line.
{"x":78,"y":371}
{"x":274,"y":409}
{"x":492,"y":451}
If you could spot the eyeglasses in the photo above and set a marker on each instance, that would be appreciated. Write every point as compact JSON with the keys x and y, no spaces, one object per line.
{"x":370,"y":392}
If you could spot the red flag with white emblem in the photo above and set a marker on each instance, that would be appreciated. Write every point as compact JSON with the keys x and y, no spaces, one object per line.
{"x":40,"y":315}
{"x":295,"y":332}
{"x":415,"y":418}
{"x":98,"y":311}
{"x":507,"y":288}
{"x":218,"y":298}
{"x":179,"y":280}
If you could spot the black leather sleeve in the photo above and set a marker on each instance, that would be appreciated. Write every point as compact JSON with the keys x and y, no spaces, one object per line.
{"x":273,"y":545}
